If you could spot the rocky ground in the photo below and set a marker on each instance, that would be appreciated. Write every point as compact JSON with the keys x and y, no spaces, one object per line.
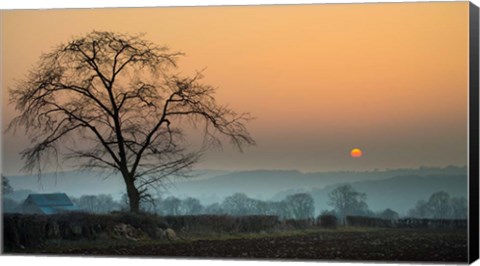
{"x":372,"y":245}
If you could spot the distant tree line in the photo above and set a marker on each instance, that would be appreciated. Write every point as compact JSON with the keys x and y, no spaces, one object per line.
{"x":344,"y":200}
{"x":441,"y":206}
{"x":98,"y":203}
{"x":347,"y":201}
{"x":297,"y":206}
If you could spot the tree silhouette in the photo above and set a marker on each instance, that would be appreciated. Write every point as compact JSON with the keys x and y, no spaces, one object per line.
{"x":389,"y":214}
{"x":112,"y":101}
{"x":459,"y":207}
{"x":238,"y":204}
{"x":301,"y":205}
{"x":6,"y":187}
{"x":191,"y":206}
{"x":439,"y":204}
{"x":421,"y":210}
{"x":347,"y":201}
{"x":172,"y":205}
{"x":97,"y":203}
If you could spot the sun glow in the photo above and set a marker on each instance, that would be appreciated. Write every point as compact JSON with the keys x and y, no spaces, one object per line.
{"x":356,"y":153}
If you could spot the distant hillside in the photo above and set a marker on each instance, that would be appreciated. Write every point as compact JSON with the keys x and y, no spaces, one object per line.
{"x":265,"y":184}
{"x":213,"y":185}
{"x":77,"y":183}
{"x":74,"y":183}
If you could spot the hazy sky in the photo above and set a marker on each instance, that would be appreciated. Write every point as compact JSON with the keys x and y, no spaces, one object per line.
{"x":391,"y":79}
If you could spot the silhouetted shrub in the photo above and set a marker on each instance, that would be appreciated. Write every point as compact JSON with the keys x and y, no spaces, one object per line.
{"x":222,"y":223}
{"x":327,"y":221}
{"x":368,"y":221}
{"x":148,"y":223}
{"x":298,"y":224}
{"x":431,"y":223}
{"x":406,"y":222}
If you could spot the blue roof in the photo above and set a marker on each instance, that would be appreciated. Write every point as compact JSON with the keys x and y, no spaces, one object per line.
{"x":50,"y":200}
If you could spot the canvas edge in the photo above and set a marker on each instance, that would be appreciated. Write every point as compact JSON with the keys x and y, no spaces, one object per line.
{"x":473,"y":159}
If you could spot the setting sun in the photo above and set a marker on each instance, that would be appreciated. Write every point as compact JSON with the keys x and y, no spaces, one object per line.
{"x":356,"y":153}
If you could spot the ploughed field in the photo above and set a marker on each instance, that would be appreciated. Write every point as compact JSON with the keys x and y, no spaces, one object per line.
{"x":343,"y":244}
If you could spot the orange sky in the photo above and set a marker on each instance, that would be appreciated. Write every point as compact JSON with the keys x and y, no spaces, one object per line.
{"x":391,"y":79}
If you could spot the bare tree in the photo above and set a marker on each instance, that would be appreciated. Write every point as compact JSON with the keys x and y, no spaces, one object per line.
{"x":172,"y":205}
{"x":347,"y":201}
{"x":191,"y":206}
{"x":421,"y":210}
{"x":97,"y":203}
{"x":459,"y":208}
{"x":301,"y":205}
{"x":238,"y":204}
{"x":214,"y":208}
{"x":112,"y":101}
{"x":389,"y":214}
{"x":439,"y":204}
{"x":6,"y":187}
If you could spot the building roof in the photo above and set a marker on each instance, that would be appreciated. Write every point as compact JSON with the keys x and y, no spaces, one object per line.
{"x":48,"y":203}
{"x":50,"y":200}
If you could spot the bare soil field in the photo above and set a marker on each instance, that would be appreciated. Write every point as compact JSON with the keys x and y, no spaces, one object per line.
{"x":433,"y":245}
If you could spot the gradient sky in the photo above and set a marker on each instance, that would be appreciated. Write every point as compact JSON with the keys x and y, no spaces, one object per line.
{"x":391,"y":79}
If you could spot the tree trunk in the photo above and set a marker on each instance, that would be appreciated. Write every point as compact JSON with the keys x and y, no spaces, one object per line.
{"x":133,"y":194}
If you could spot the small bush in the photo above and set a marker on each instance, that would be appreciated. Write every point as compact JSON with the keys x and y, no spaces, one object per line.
{"x":298,"y":224}
{"x":365,"y":221}
{"x":431,"y":223}
{"x":222,"y":223}
{"x":327,"y":221}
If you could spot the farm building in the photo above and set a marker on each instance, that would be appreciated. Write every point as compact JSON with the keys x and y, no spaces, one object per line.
{"x":47,"y":204}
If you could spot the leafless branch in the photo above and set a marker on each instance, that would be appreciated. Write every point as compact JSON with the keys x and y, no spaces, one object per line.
{"x":112,"y":101}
